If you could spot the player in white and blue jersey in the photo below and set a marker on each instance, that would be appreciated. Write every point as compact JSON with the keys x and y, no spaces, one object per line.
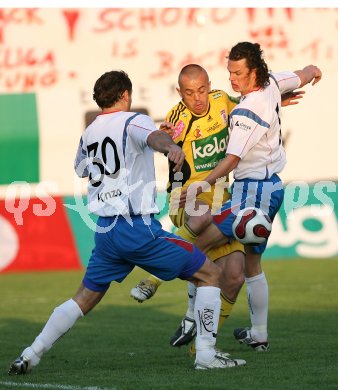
{"x":116,"y":154}
{"x":256,"y":155}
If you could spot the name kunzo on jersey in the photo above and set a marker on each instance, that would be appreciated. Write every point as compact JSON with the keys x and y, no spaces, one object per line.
{"x":251,"y":226}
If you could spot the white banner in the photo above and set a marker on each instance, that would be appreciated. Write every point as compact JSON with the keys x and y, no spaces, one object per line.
{"x":59,"y":54}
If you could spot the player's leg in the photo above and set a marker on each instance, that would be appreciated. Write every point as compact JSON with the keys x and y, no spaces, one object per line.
{"x":101,"y":270}
{"x":186,"y":331}
{"x":230,"y":259}
{"x":60,"y":322}
{"x":268,"y":197}
{"x":232,"y":279}
{"x":173,"y":257}
{"x":258,"y":302}
{"x":188,"y":228}
{"x":206,"y":315}
{"x":146,"y":288}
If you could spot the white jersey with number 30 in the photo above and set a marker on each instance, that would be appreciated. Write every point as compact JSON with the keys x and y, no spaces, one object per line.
{"x":114,"y":154}
{"x":256,"y":129}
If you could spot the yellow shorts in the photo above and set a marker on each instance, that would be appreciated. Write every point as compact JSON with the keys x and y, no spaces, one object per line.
{"x":178,"y":219}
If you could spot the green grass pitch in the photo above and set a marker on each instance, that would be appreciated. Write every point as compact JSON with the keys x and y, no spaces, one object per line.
{"x":122,"y":344}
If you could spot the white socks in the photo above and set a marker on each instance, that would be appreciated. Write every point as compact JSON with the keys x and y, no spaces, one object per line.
{"x":191,"y":300}
{"x":61,"y":320}
{"x":258,"y":300}
{"x":206,"y":314}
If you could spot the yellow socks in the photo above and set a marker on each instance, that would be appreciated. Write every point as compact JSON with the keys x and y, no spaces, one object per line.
{"x":226,"y":307}
{"x":155,"y":280}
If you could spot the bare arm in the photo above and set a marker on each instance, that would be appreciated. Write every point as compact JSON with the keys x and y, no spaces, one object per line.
{"x":292,"y":98}
{"x":308,"y":74}
{"x":162,"y":142}
{"x":223,"y":168}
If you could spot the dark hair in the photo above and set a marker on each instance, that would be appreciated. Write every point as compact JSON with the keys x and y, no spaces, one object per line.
{"x":254,"y":60}
{"x":110,"y":87}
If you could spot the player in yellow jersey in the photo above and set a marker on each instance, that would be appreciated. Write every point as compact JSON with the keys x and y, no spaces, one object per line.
{"x":200,"y":127}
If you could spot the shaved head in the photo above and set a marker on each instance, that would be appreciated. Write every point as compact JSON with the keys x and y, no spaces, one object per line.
{"x":194,"y":88}
{"x":192,"y":71}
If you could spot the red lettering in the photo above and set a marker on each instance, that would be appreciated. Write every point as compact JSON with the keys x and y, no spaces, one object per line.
{"x":18,"y":57}
{"x":29,"y":81}
{"x":147,"y":16}
{"x":123,"y":21}
{"x":48,"y":79}
{"x":17,"y":16}
{"x":104,"y":16}
{"x":251,"y":13}
{"x":48,"y":59}
{"x":170,"y":16}
{"x":131,"y":49}
{"x":11,"y":82}
{"x":71,"y":17}
{"x":29,"y":58}
{"x":31,"y":16}
{"x":14,"y":16}
{"x":166,"y":64}
{"x":218,"y":18}
{"x":192,"y":17}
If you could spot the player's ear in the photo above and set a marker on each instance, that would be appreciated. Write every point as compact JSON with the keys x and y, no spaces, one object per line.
{"x":179,"y":92}
{"x":126,"y":95}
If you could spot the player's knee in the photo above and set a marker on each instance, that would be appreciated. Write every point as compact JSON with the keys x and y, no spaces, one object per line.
{"x":198,"y":224}
{"x":238,"y":281}
{"x":214,"y":275}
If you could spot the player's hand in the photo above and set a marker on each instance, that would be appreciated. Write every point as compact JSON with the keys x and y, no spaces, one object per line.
{"x":292,"y":98}
{"x":317,"y":74}
{"x":183,"y":198}
{"x":312,"y":74}
{"x":168,"y":127}
{"x":177,"y":156}
{"x":189,"y":196}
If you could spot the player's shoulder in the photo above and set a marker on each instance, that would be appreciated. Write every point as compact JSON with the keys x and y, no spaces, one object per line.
{"x":179,"y":111}
{"x":218,"y":94}
{"x":138,"y":117}
{"x":252,"y":102}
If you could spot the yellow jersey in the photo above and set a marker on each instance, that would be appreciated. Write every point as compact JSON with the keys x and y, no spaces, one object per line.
{"x":203,"y":138}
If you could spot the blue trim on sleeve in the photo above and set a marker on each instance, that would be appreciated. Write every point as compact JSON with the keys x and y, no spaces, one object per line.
{"x":251,"y":115}
{"x":125,"y":132}
{"x":124,"y":151}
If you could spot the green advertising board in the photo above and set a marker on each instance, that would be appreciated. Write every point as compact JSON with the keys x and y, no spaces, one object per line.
{"x":19,"y":138}
{"x":305,"y":226}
